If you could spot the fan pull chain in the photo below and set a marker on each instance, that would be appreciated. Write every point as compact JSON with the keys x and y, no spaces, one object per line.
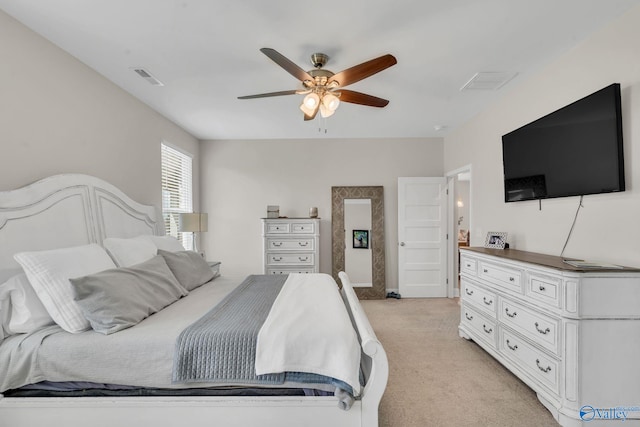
{"x":323,"y":121}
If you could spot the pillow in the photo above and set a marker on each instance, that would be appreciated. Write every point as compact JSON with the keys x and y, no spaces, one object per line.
{"x":23,"y":311}
{"x":5,"y":310}
{"x":189,"y":267}
{"x":49,"y":273}
{"x":128,"y":252}
{"x":166,"y":243}
{"x":117,"y":299}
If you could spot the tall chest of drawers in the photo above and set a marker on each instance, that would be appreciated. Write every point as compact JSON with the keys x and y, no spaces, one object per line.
{"x":572,"y":335}
{"x":291,"y":245}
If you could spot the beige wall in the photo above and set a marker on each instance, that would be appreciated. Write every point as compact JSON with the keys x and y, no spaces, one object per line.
{"x":59,"y":116}
{"x":240,"y":178}
{"x":607,"y":228}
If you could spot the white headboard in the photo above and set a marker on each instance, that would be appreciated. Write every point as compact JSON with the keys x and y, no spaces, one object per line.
{"x":69,"y":210}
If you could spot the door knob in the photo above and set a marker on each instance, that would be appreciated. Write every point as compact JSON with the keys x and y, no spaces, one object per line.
{"x":401,"y":243}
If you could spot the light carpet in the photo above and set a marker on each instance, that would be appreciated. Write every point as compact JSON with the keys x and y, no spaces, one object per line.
{"x":437,"y":378}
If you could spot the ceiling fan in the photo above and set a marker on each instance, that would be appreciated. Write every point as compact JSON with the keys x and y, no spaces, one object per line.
{"x":324,"y":89}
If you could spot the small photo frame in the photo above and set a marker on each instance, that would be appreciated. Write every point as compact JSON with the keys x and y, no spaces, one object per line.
{"x":496,"y":240}
{"x":361,"y":239}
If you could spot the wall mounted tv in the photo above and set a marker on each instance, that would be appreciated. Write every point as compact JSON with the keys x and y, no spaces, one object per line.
{"x":576,"y":150}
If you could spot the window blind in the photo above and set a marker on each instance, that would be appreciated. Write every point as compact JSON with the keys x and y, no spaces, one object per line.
{"x":177,"y":193}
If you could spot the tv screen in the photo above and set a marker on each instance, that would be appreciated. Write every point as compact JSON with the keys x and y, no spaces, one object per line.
{"x":573,"y":151}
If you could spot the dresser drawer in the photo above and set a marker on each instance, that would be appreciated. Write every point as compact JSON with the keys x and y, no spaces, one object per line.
{"x":482,"y":327}
{"x":468,"y":265}
{"x":289,"y":270}
{"x":545,"y":289}
{"x":501,"y":276}
{"x":479,"y":297}
{"x":533,"y":361}
{"x":540,"y":328}
{"x":290,"y":259}
{"x":278,"y":228}
{"x":290,"y":244}
{"x":303,"y":227}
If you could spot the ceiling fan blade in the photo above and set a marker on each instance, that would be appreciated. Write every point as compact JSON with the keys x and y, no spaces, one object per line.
{"x":313,"y":116}
{"x":265,"y":95}
{"x":361,"y":98}
{"x":287,"y":64}
{"x":364,"y":70}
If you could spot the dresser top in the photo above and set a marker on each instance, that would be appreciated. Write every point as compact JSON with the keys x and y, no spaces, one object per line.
{"x":550,"y":261}
{"x":284,"y":218}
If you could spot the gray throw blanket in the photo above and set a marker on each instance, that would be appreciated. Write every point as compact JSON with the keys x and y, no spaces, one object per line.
{"x":221,"y":346}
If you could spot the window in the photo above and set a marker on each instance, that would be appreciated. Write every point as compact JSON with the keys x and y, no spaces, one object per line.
{"x":177,"y":194}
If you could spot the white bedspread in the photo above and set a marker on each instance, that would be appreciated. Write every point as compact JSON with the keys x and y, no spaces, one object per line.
{"x":317,"y":340}
{"x":140,"y":356}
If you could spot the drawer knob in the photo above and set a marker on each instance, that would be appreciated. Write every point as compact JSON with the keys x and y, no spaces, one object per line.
{"x":512,"y":347}
{"x":512,"y":279}
{"x":468,"y":317}
{"x":543,"y":332}
{"x":485,"y":329}
{"x":485,"y":270}
{"x":487,"y":302}
{"x":547,"y":369}
{"x":542,"y":288}
{"x":468,"y":291}
{"x":506,"y":310}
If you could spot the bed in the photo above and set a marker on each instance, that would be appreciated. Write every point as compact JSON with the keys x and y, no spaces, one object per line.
{"x":72,"y":210}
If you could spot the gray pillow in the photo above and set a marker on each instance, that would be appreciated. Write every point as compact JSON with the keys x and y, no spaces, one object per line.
{"x":189,"y":267}
{"x":116,"y":299}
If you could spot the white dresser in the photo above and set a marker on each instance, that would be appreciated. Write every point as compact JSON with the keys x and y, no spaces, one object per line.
{"x":572,"y":335}
{"x":291,"y":245}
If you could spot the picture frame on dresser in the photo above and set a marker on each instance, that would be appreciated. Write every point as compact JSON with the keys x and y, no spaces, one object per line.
{"x":495,"y":240}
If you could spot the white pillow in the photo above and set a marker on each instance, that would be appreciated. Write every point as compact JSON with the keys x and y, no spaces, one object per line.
{"x":49,"y":273}
{"x":166,"y":243}
{"x":128,"y":252}
{"x":5,"y":311}
{"x":24,"y":313}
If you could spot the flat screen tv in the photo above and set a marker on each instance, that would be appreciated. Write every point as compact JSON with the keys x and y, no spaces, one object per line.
{"x":574,"y":151}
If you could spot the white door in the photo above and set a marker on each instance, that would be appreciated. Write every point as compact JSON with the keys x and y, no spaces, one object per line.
{"x":422,"y":233}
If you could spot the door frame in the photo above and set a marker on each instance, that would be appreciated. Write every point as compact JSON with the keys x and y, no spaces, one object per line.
{"x":452,"y":242}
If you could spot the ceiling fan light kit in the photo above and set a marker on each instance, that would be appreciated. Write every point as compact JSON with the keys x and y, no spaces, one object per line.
{"x":324,"y":89}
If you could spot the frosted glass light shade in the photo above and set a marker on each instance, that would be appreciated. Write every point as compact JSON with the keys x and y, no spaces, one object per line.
{"x":310,"y":104}
{"x":331,"y":102}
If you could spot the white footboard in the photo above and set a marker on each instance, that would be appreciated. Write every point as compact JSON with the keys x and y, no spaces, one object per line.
{"x":375,"y":358}
{"x":208,"y":411}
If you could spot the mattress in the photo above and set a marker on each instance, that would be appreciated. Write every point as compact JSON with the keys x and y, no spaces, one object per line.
{"x":141,"y":356}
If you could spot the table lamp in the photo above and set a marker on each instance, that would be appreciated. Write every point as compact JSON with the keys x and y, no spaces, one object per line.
{"x":196,"y":223}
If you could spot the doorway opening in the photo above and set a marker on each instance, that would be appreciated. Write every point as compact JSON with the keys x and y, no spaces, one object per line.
{"x":460,"y":223}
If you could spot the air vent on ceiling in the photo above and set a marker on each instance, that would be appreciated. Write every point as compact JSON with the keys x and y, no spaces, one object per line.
{"x":488,"y":81}
{"x":148,"y":77}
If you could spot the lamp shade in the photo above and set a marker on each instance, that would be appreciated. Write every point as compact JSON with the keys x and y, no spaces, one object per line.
{"x":194,"y":222}
{"x":310,"y":104}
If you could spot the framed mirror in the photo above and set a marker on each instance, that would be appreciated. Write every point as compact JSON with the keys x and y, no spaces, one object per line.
{"x":357,"y":241}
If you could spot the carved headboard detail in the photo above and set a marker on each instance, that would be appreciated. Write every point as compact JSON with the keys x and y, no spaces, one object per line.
{"x":69,"y":210}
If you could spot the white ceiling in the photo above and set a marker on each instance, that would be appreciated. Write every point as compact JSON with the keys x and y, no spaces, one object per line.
{"x":206,"y":52}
